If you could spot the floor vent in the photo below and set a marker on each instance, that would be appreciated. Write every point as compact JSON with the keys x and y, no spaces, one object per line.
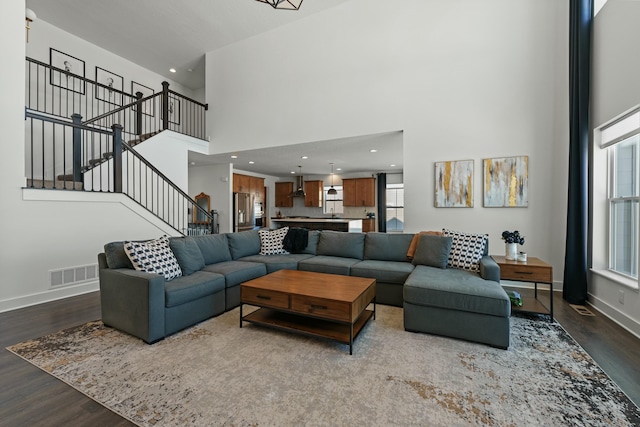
{"x":582,"y":310}
{"x":73,"y":275}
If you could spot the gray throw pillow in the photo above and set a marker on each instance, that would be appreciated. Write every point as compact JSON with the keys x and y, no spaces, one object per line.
{"x":187,"y":253}
{"x":433,"y":251}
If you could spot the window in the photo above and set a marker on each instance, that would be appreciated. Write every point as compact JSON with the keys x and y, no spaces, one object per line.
{"x":622,"y":142}
{"x":395,"y":207}
{"x":333,"y":203}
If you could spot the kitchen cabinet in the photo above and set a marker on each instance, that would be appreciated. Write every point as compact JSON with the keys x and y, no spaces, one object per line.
{"x":359,"y":192}
{"x":368,"y":225}
{"x":283,"y":189}
{"x":313,"y":190}
{"x":256,"y":187}
{"x":241,"y":183}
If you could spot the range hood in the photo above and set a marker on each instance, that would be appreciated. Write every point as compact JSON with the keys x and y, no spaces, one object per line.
{"x":299,"y":192}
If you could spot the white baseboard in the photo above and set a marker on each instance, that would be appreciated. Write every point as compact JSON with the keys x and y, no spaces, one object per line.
{"x":624,"y":321}
{"x":48,"y":296}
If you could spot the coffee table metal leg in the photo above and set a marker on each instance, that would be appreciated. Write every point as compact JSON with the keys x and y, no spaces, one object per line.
{"x":241,"y":315}
{"x":351,"y":339}
{"x":374,"y":309}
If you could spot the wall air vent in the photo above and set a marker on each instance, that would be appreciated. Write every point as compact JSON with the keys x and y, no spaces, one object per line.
{"x":72,"y":275}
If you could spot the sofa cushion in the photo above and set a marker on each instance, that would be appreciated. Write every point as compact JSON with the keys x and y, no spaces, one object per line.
{"x":312,"y":244}
{"x":214,"y":248}
{"x":383,"y":271}
{"x":457,"y":290}
{"x":187,"y":253}
{"x":328,"y":264}
{"x":387,"y":246}
{"x":244,"y":243}
{"x":341,"y":244}
{"x":153,"y":256}
{"x":433,"y":251}
{"x":414,"y":242}
{"x":466,"y":249}
{"x":236,"y":272}
{"x":116,"y":256}
{"x":278,"y":262}
{"x":190,"y":288}
{"x":271,"y":241}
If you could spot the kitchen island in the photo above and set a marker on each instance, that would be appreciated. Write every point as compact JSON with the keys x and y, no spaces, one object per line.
{"x":351,"y":225}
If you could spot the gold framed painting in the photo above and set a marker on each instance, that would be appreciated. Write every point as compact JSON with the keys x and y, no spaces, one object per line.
{"x":454,"y":184}
{"x":506,"y":182}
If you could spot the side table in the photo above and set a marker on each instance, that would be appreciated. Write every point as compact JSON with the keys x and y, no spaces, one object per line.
{"x":533,"y":270}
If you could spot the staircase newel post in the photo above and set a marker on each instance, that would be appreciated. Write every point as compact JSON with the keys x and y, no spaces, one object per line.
{"x":77,"y":148}
{"x":117,"y":158}
{"x":139,"y":114}
{"x":165,"y":105}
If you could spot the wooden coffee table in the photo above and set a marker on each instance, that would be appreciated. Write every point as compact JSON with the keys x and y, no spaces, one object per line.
{"x":315,"y":304}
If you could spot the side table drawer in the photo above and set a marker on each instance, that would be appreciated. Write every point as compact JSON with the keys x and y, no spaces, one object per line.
{"x":333,"y":310}
{"x":525,"y":273}
{"x":264,"y":298}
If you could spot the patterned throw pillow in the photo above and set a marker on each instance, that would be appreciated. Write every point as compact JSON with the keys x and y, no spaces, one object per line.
{"x":466,"y":250}
{"x":154,"y":256}
{"x":271,"y":241}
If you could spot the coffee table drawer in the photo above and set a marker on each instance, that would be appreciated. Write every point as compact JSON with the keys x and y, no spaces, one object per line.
{"x":264,"y":298}
{"x":334,"y":310}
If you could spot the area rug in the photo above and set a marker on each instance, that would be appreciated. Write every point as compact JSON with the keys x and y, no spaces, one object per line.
{"x":216,"y":373}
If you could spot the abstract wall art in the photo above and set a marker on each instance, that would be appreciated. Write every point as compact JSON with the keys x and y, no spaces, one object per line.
{"x":506,"y":182}
{"x":454,"y":184}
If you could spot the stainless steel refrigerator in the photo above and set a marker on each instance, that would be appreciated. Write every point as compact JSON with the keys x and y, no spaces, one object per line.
{"x":243,"y":218}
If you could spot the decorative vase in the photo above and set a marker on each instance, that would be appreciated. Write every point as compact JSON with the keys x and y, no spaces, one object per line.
{"x":511,"y":251}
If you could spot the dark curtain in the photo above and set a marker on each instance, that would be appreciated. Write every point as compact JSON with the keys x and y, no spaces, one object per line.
{"x":382,"y":202}
{"x":575,"y":260}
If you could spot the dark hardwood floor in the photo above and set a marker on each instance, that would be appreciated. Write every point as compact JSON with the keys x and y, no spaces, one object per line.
{"x":30,"y":397}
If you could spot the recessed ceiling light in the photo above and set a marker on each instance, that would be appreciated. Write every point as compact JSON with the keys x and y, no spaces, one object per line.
{"x":293,"y":172}
{"x":338,"y":169}
{"x":234,"y":156}
{"x":373,"y":150}
{"x":173,"y":70}
{"x":251,"y":162}
{"x":190,"y":70}
{"x":304,"y":157}
{"x":392,"y":166}
{"x":193,"y":163}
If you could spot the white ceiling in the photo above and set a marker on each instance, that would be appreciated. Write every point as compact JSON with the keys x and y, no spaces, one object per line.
{"x":164,"y":34}
{"x":352,"y":155}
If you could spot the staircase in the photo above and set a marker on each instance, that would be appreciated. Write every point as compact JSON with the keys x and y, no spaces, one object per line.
{"x":57,"y":139}
{"x":106,"y":156}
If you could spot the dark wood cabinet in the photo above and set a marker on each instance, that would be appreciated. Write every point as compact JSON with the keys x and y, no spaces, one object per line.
{"x":313,"y":190}
{"x":283,"y":189}
{"x":241,"y":183}
{"x":359,"y":192}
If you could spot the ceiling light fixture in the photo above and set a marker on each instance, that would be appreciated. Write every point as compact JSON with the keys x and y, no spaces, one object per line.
{"x":173,"y":70}
{"x":283,"y":4}
{"x":29,"y":16}
{"x":332,"y":191}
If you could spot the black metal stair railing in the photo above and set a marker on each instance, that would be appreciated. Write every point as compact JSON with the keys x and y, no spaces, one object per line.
{"x":83,"y":154}
{"x":57,"y":92}
{"x":58,"y":150}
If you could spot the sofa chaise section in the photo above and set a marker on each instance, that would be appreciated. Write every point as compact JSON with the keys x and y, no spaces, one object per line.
{"x":457,"y":303}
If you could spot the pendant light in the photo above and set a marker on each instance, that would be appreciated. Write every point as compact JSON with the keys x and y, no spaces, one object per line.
{"x":283,"y":4}
{"x":332,"y":191}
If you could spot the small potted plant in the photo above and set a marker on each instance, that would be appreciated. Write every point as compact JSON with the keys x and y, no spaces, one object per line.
{"x":512,"y":239}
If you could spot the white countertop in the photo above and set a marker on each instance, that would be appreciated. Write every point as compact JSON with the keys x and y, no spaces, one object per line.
{"x":321,"y":220}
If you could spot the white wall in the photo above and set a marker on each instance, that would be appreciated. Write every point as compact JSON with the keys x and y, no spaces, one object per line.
{"x":616,"y":89}
{"x":51,"y":230}
{"x":463,"y":80}
{"x":44,"y":36}
{"x":216,"y":181}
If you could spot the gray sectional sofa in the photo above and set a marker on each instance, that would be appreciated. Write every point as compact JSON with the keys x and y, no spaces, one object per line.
{"x":443,"y":301}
